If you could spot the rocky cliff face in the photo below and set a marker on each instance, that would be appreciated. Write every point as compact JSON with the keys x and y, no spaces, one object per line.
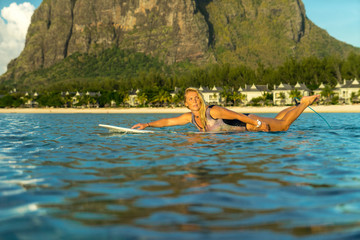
{"x":267,"y":31}
{"x":236,"y":31}
{"x":171,"y":29}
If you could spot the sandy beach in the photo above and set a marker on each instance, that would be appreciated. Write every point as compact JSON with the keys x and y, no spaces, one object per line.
{"x":275,"y":109}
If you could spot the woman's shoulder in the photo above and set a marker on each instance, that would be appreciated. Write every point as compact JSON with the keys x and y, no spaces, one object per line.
{"x":213,"y":111}
{"x":218,"y":111}
{"x":214,"y":107}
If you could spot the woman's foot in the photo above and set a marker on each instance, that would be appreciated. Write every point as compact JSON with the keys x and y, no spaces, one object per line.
{"x":308,"y":100}
{"x":297,"y":101}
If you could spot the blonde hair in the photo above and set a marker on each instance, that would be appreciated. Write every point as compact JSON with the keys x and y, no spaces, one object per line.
{"x":202,"y":105}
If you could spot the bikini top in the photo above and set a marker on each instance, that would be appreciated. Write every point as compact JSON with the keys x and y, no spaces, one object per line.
{"x":220,"y":125}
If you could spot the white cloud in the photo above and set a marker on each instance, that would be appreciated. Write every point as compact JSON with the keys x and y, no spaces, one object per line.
{"x":14,"y":23}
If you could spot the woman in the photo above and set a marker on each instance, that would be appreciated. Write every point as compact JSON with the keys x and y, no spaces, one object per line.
{"x":216,"y":118}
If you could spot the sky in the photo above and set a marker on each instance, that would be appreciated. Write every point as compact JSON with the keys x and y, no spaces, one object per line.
{"x":340,"y":18}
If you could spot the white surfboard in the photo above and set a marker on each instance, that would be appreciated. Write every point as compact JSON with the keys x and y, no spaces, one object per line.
{"x":129,"y":130}
{"x":124,"y":129}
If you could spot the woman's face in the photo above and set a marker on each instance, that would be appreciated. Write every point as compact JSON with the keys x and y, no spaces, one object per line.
{"x":193,"y":101}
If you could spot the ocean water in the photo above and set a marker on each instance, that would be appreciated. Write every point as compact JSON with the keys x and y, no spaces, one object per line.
{"x":63,"y":177}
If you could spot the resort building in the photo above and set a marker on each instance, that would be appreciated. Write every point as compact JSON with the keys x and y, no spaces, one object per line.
{"x":337,"y":90}
{"x":30,"y":100}
{"x":319,"y":89}
{"x":253,"y":91}
{"x":74,"y":98}
{"x":213,"y":95}
{"x":12,"y":91}
{"x":93,"y":94}
{"x":177,"y":97}
{"x":303,"y":89}
{"x":133,"y":100}
{"x":281,"y":94}
{"x":112,"y":103}
{"x":349,"y":92}
{"x":327,"y":93}
{"x":175,"y":92}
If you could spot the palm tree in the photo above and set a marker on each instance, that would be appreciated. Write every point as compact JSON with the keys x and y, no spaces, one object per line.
{"x":92,"y":102}
{"x":214,"y":96}
{"x":126,"y":99}
{"x":295,"y":94}
{"x":225,"y":94}
{"x":179,"y":97}
{"x":86,"y":99}
{"x":238,"y":97}
{"x":142,"y":97}
{"x":282,"y":97}
{"x":163,"y":97}
{"x":327,"y":93}
{"x":353,"y":97}
{"x":68,"y":100}
{"x":267,"y":98}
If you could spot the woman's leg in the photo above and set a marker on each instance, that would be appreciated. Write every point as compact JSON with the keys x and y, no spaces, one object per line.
{"x":281,"y":114}
{"x":286,"y":117}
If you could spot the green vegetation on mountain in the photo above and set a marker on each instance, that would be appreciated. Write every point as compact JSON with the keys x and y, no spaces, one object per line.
{"x":112,"y":64}
{"x":122,"y":70}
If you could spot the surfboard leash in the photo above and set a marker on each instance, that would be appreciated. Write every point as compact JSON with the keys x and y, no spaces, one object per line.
{"x":316,"y":113}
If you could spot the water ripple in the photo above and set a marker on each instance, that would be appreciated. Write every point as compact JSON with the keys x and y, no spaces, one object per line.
{"x":63,"y":177}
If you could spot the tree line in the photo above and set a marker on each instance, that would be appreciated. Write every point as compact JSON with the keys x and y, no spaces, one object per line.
{"x":122,"y":71}
{"x":160,"y":98}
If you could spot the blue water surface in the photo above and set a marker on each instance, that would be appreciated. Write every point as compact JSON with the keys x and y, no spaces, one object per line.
{"x":63,"y":177}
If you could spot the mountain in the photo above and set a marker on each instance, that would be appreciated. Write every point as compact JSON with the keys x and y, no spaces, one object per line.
{"x":199,"y":31}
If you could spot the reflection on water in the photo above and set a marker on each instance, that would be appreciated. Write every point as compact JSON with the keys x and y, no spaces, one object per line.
{"x":62,"y":176}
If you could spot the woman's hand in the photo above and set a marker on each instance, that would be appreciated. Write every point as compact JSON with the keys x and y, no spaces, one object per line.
{"x":264,"y":127}
{"x":140,"y":126}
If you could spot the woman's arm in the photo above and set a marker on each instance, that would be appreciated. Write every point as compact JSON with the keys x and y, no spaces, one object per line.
{"x":223,"y":113}
{"x":166,"y":122}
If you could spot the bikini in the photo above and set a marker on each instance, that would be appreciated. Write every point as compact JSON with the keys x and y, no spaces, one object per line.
{"x":219,"y":125}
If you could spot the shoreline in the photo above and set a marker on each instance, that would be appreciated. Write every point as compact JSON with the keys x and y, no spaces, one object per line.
{"x":272,"y":109}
